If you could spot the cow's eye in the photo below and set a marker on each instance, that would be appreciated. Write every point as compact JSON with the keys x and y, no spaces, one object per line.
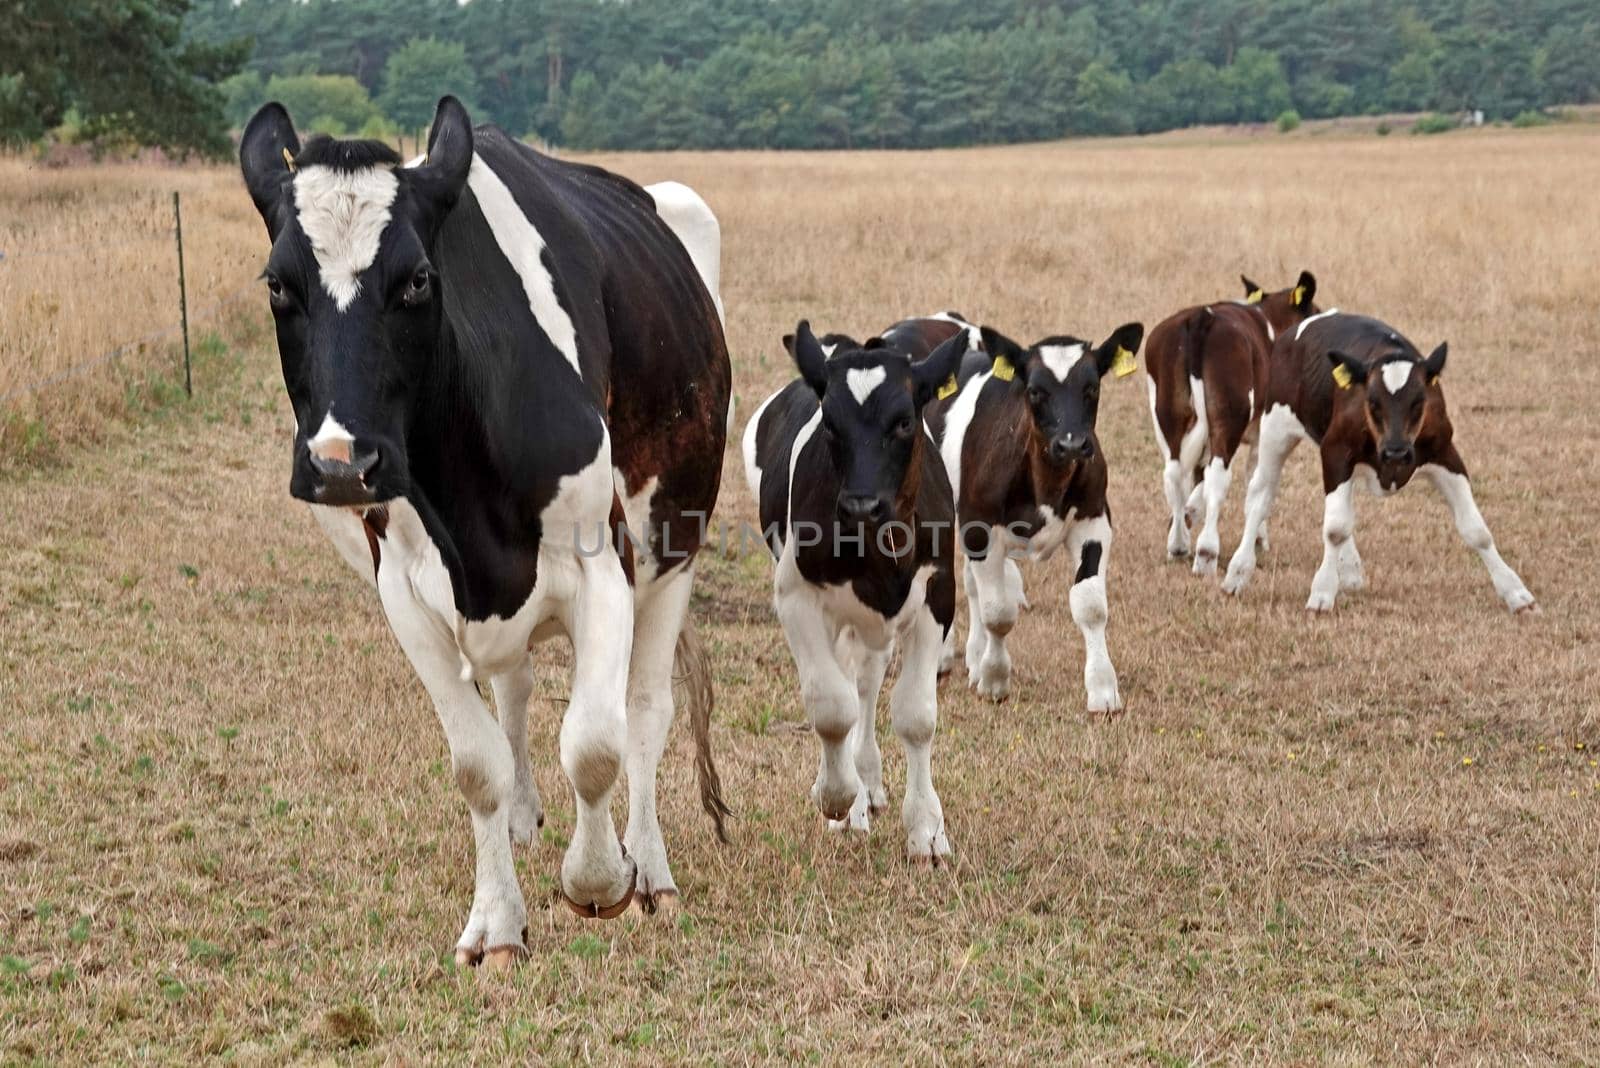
{"x":905,"y":426}
{"x":276,"y":292}
{"x":1036,"y":396}
{"x":419,"y":288}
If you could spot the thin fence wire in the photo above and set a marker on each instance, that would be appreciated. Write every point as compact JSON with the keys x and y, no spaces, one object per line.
{"x":107,"y":357}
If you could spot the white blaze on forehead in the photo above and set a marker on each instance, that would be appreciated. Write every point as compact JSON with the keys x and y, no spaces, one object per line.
{"x":862,"y":381}
{"x":524,"y":248}
{"x":1396,"y":373}
{"x":828,"y":350}
{"x":332,"y":440}
{"x":1060,"y":358}
{"x":343,"y":214}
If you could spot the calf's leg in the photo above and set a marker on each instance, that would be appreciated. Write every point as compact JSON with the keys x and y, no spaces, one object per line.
{"x":1449,"y":476}
{"x":915,"y":710}
{"x":1280,"y":433}
{"x":831,"y":702}
{"x":1338,"y":525}
{"x":511,"y":692}
{"x":1090,"y":544}
{"x":998,"y":610}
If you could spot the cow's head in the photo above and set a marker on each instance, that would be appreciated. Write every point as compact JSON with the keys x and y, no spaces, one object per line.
{"x":872,"y":398}
{"x":354,"y":292}
{"x":1399,"y":391}
{"x":1284,"y":308}
{"x":1060,"y":378}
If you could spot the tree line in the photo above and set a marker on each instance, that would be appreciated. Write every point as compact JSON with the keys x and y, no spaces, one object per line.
{"x":843,"y":74}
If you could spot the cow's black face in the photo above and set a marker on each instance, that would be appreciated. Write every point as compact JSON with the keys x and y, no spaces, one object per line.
{"x":871,"y":401}
{"x":1285,"y":308}
{"x":354,"y":293}
{"x":1061,"y":378}
{"x":1397,"y":391}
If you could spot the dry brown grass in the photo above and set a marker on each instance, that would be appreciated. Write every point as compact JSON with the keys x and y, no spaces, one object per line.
{"x":90,"y":265}
{"x":227,"y":827}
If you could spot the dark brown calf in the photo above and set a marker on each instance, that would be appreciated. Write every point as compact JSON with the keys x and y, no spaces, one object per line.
{"x":1207,"y":368}
{"x":1374,"y":406}
{"x":1018,"y":440}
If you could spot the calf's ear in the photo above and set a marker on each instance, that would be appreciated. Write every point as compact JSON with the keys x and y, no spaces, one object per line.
{"x":1305,"y":291}
{"x":1252,"y":292}
{"x":809,"y":357}
{"x":443,"y":172}
{"x":266,"y":158}
{"x":1433,"y":366}
{"x":939,"y":370}
{"x":1117,"y":352}
{"x":1006,"y":354}
{"x":1347,"y":370}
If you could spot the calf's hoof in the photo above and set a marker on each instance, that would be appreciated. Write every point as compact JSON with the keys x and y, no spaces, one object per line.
{"x":1205,"y":562}
{"x":1320,"y":604}
{"x":588,"y":904}
{"x":928,"y":849}
{"x":1522,"y":603}
{"x":495,"y":958}
{"x":663,"y":902}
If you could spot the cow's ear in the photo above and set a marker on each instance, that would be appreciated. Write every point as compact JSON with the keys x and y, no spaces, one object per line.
{"x":266,"y":157}
{"x":1305,"y":291}
{"x":1116,"y":353}
{"x":1433,"y":366}
{"x":1252,"y":292}
{"x":788,"y":344}
{"x":1347,"y":370}
{"x":938,"y":371}
{"x":443,"y":172}
{"x":809,"y":357}
{"x":1006,"y":355}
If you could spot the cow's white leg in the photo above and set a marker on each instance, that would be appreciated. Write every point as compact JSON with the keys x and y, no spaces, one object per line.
{"x":1090,"y":545}
{"x":1014,"y":587}
{"x":999,"y":615}
{"x":596,"y":876}
{"x":1263,"y":542}
{"x":1338,"y":524}
{"x":829,"y":694}
{"x":511,"y":692}
{"x":1280,"y":433}
{"x":977,"y":637}
{"x":1172,"y":482}
{"x":915,"y":709}
{"x":484,"y":770}
{"x":1352,"y":576}
{"x":1209,"y":545}
{"x":870,"y":798}
{"x":947,"y":652}
{"x":1456,"y":490}
{"x":658,"y":619}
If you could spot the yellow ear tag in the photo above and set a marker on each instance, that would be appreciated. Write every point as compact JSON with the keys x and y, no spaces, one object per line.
{"x":948,"y":389}
{"x":1003,"y":370}
{"x":288,"y":160}
{"x":1123,"y":364}
{"x":1299,"y":296}
{"x":1254,"y":297}
{"x":1341,"y":376}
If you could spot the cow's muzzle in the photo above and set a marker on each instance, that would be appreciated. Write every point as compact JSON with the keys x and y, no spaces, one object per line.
{"x":344,"y":482}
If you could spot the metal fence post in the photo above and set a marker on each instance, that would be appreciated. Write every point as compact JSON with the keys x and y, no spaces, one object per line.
{"x":183,"y":296}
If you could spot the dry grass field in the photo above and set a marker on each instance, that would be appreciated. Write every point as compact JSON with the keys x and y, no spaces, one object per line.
{"x":228,"y":829}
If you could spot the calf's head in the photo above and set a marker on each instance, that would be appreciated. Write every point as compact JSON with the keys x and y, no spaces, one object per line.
{"x":1397,"y":392}
{"x":354,"y":293}
{"x":1060,"y":378}
{"x":872,"y":398}
{"x":1284,"y":308}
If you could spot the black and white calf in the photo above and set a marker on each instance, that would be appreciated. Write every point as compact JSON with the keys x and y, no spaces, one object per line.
{"x":860,"y":518}
{"x":1374,"y":406}
{"x":495,"y":361}
{"x":1018,"y":439}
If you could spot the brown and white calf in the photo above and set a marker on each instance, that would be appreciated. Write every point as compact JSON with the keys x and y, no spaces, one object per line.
{"x":1207,"y":369}
{"x":1373,"y":405}
{"x":1018,"y":439}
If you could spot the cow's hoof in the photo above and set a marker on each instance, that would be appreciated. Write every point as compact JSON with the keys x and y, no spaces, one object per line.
{"x":595,"y":911}
{"x":1522,"y":603}
{"x":662,"y":903}
{"x":1530,"y":609}
{"x":1320,"y":604}
{"x":1205,"y":562}
{"x":928,"y":850}
{"x":469,"y":956}
{"x":504,"y":958}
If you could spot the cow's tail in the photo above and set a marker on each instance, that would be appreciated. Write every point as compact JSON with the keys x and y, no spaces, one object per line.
{"x":1195,"y":331}
{"x":694,"y":673}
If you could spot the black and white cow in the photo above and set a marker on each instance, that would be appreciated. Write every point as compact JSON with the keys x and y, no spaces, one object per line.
{"x":1018,"y":439}
{"x":860,"y":518}
{"x":1373,"y":405}
{"x":495,"y":360}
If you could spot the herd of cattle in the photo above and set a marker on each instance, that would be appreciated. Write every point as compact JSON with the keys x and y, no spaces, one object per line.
{"x":512,"y":395}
